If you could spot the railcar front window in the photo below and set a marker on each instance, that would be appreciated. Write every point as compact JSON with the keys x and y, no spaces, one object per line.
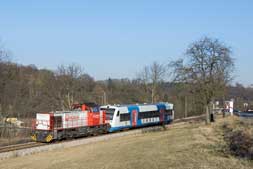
{"x":109,"y":113}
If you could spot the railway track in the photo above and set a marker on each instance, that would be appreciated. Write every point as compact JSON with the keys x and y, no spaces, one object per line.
{"x":20,"y":146}
{"x":36,"y":144}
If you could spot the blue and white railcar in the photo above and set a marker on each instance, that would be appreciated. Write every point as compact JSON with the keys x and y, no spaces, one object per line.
{"x":131,"y":116}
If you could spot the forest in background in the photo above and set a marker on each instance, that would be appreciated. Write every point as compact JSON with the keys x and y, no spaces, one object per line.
{"x":25,"y":90}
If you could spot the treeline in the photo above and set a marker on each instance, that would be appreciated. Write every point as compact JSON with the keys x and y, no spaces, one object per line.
{"x":25,"y":90}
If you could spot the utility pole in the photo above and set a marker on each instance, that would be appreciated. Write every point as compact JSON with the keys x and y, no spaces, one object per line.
{"x":105,"y":99}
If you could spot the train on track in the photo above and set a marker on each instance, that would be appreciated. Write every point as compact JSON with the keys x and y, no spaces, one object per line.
{"x":90,"y":119}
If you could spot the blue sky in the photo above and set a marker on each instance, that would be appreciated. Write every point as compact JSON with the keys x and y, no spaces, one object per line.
{"x":117,"y":38}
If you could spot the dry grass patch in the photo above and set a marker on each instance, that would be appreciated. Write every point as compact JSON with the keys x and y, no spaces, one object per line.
{"x":181,"y":146}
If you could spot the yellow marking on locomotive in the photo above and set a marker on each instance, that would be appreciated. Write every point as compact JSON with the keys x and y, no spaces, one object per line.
{"x":49,"y":138}
{"x":34,"y":137}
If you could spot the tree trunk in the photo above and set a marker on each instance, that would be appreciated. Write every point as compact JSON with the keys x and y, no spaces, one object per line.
{"x":207,"y":114}
{"x":68,"y":100}
{"x":185,"y":107}
{"x":153,"y":95}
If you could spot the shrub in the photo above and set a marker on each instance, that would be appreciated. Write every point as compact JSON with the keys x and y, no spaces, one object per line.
{"x":239,"y":139}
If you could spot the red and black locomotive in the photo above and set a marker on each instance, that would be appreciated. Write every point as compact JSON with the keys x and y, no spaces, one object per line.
{"x":83,"y":120}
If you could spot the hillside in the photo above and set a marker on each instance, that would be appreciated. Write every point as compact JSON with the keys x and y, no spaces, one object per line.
{"x":183,"y":145}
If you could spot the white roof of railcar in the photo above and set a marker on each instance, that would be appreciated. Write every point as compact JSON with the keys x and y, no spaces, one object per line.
{"x":137,"y":104}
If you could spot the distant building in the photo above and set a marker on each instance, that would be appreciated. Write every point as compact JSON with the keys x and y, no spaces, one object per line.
{"x":229,"y":107}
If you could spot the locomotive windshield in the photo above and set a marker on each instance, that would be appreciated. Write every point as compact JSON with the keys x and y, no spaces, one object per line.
{"x":109,"y":113}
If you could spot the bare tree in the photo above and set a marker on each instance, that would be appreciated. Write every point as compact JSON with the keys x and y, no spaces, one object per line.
{"x":157,"y":72}
{"x":4,"y":56}
{"x":66,"y":76}
{"x":151,"y":76}
{"x":207,"y":68}
{"x":144,"y":78}
{"x":4,"y":53}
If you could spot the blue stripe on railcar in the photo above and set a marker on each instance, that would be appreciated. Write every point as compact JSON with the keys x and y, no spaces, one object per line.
{"x":166,"y":117}
{"x":161,"y":106}
{"x":112,"y":129}
{"x":132,"y":108}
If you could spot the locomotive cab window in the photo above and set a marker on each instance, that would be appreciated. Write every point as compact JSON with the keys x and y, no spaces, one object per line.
{"x":109,"y":113}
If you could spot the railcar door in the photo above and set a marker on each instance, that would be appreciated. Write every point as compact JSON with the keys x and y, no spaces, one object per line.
{"x":134,"y":117}
{"x":162,"y":115}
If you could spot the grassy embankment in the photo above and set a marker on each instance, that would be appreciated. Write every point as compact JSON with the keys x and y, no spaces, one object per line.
{"x":184,"y":145}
